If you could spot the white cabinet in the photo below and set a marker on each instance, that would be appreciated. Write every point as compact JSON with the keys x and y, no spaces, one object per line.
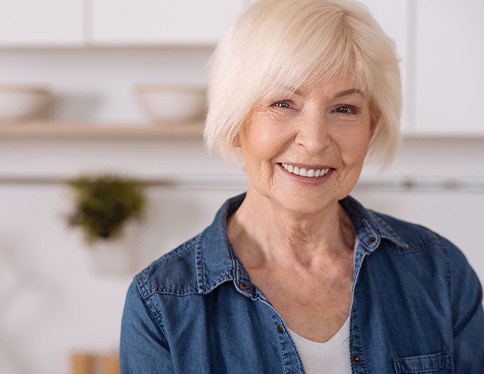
{"x":41,"y":23}
{"x":393,"y":18}
{"x":161,"y":22}
{"x":450,"y":67}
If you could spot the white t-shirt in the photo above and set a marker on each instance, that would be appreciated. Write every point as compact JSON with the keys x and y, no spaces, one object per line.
{"x":332,"y":356}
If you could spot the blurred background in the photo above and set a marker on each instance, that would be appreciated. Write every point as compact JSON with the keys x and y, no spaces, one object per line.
{"x":96,"y":86}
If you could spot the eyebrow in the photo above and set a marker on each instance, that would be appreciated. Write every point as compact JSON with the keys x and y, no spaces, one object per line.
{"x":351,"y":91}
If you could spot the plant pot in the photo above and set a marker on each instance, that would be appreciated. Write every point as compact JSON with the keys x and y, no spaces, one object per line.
{"x":116,"y":256}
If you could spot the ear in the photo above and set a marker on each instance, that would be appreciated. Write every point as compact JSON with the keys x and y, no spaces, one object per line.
{"x":236,"y":141}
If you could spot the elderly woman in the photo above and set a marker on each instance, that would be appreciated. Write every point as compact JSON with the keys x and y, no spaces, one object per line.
{"x":295,"y":275}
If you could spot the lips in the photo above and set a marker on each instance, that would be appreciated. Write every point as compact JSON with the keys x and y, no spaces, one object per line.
{"x":305,"y":172}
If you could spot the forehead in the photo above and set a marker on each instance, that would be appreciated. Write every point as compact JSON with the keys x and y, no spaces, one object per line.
{"x":344,"y":85}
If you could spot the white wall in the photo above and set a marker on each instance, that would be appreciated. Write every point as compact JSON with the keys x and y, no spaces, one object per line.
{"x":52,"y":301}
{"x":98,"y":84}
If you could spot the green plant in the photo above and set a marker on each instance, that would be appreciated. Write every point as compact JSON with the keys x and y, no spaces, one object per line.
{"x":103,"y":204}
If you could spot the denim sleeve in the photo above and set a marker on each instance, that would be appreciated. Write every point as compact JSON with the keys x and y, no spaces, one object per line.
{"x":468,"y":315}
{"x":143,"y":346}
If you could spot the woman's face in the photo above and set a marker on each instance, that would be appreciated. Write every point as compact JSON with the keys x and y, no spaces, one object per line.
{"x":305,"y":152}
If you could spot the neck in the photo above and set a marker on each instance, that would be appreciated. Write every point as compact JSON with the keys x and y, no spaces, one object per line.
{"x":267,"y":234}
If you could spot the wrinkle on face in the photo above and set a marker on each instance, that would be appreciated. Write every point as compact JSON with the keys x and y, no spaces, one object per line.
{"x":276,"y":134}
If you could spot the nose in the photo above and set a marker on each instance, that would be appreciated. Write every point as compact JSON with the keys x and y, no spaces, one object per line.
{"x":313,"y":135}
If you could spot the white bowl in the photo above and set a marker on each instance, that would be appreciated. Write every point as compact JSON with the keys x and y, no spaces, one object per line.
{"x":165,"y":104}
{"x":21,"y":103}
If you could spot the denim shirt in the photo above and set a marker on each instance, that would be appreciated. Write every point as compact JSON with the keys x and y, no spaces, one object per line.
{"x":416,"y":307}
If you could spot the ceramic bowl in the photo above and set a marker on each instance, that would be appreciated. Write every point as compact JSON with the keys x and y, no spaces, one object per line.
{"x":22,"y":102}
{"x":168,"y":104}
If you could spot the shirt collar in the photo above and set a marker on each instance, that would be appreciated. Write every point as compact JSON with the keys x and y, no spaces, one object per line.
{"x":218,"y":263}
{"x":370,"y":227}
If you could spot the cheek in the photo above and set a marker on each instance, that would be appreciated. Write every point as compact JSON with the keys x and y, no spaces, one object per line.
{"x":261,"y":141}
{"x":354,"y":147}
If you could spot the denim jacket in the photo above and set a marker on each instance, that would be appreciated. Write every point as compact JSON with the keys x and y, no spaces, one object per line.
{"x":416,"y":307}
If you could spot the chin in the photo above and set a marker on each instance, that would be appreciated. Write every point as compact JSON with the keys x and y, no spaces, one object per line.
{"x":308,"y":205}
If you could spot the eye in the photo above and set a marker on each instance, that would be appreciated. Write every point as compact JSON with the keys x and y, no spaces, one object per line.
{"x":346,"y":109}
{"x":285,"y":104}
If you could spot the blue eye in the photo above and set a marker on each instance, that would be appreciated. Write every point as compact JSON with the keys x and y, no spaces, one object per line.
{"x":346,"y":109}
{"x":282,"y":104}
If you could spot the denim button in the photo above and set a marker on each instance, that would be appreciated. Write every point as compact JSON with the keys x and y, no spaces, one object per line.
{"x":356,"y":359}
{"x":244,"y":286}
{"x":371,"y":240}
{"x":280,"y":329}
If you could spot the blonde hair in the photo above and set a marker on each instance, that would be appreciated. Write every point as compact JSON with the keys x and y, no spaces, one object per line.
{"x":276,"y":45}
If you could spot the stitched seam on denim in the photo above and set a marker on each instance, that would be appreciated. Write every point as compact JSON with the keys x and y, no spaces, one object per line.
{"x":445,"y":362}
{"x":142,"y":278}
{"x":223,"y":278}
{"x":141,"y":284}
{"x":423,"y":246}
{"x":177,"y":291}
{"x":200,"y":269}
{"x":402,"y":370}
{"x":393,"y":236}
{"x":178,"y":295}
{"x":367,"y":219}
{"x":193,"y":290}
{"x":359,"y":215}
{"x":355,"y":336}
{"x":294,"y":347}
{"x":276,"y":319}
{"x":156,"y":314}
{"x":238,"y":272}
{"x":285,"y":358}
{"x":182,"y":249}
{"x":448,"y":277}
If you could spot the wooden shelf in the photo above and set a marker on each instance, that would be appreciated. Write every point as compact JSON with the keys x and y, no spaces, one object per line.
{"x":192,"y":129}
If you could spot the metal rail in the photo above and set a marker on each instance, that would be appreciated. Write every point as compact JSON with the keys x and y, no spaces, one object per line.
{"x":238,"y":182}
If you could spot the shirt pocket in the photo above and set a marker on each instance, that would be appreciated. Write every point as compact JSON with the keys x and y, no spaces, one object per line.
{"x":437,"y":363}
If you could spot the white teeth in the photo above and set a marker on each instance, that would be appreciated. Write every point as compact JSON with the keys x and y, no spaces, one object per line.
{"x":311,"y":173}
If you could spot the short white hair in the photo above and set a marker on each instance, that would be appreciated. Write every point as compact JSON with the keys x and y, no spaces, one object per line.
{"x":280,"y":44}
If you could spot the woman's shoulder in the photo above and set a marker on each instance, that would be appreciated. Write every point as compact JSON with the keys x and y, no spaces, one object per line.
{"x":416,"y":237}
{"x":195,"y":266}
{"x":404,"y":235}
{"x":408,"y":231}
{"x":172,"y":273}
{"x":422,"y":246}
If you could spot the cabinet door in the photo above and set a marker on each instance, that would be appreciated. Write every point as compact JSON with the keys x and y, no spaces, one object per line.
{"x":41,"y":23}
{"x":393,"y":18}
{"x":161,"y":22}
{"x":450,"y":67}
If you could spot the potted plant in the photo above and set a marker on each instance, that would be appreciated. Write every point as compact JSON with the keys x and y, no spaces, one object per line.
{"x":104,"y":206}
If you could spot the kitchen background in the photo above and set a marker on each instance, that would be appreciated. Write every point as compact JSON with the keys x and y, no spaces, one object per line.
{"x":56,"y":296}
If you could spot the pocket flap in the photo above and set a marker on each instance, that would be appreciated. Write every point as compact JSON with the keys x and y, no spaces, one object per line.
{"x":425,"y":364}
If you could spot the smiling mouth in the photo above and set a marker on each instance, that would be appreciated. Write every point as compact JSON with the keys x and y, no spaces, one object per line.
{"x":303,"y":172}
